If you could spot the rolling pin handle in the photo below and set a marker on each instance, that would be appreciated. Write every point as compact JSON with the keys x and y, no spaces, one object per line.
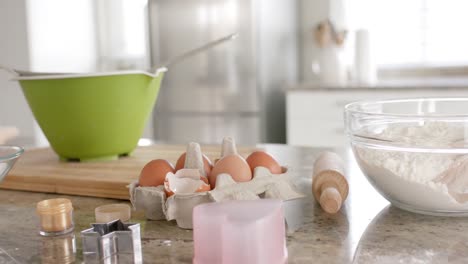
{"x":330,"y":200}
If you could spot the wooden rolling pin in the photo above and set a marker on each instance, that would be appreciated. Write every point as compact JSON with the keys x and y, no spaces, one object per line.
{"x":329,"y":185}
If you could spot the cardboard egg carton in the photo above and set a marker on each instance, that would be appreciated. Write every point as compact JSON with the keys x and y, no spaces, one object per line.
{"x":179,"y":206}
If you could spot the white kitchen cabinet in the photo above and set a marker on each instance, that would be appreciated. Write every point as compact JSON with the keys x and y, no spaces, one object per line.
{"x":315,"y":116}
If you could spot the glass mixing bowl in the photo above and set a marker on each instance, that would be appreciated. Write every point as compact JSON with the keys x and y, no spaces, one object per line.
{"x":8,"y":157}
{"x":414,"y":151}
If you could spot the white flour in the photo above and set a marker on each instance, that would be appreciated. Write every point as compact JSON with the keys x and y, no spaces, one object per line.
{"x":424,"y":180}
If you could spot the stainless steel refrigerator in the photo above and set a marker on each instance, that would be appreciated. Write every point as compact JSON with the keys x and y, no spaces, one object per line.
{"x":235,"y":89}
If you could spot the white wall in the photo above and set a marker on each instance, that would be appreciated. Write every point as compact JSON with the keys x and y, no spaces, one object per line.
{"x":62,"y":35}
{"x":14,"y":110}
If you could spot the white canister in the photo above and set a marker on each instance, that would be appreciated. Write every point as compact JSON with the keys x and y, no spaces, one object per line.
{"x":364,"y":61}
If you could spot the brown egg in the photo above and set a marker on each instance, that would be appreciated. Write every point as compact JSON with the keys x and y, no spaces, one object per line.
{"x":263,"y":159}
{"x":206,"y":162}
{"x":168,"y":192}
{"x":154,"y":172}
{"x":233,"y":165}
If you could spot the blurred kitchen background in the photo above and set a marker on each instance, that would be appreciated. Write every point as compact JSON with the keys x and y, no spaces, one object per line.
{"x":285,"y":79}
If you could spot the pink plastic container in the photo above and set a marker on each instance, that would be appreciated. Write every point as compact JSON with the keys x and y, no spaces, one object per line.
{"x":239,"y":232}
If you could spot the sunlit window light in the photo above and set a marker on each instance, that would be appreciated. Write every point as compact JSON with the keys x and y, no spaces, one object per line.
{"x":417,"y":32}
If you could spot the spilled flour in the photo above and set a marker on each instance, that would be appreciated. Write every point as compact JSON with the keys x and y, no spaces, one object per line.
{"x":427,"y":181}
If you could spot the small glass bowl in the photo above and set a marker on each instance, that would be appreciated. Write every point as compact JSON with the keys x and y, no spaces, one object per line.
{"x":8,"y":157}
{"x":414,"y":151}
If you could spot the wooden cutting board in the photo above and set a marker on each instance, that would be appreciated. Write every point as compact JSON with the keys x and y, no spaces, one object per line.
{"x":40,"y":170}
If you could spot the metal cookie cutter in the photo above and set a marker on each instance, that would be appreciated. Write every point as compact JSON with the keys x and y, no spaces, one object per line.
{"x":105,"y":240}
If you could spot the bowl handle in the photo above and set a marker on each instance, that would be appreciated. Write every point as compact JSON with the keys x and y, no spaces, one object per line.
{"x":159,"y":71}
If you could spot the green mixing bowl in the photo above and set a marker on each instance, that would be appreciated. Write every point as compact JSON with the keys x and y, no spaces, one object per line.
{"x":92,"y":116}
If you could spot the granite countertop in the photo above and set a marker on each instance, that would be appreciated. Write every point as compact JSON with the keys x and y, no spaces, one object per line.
{"x":366,"y":230}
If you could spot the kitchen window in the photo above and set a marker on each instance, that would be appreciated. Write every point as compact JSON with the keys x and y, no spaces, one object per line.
{"x":414,"y":38}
